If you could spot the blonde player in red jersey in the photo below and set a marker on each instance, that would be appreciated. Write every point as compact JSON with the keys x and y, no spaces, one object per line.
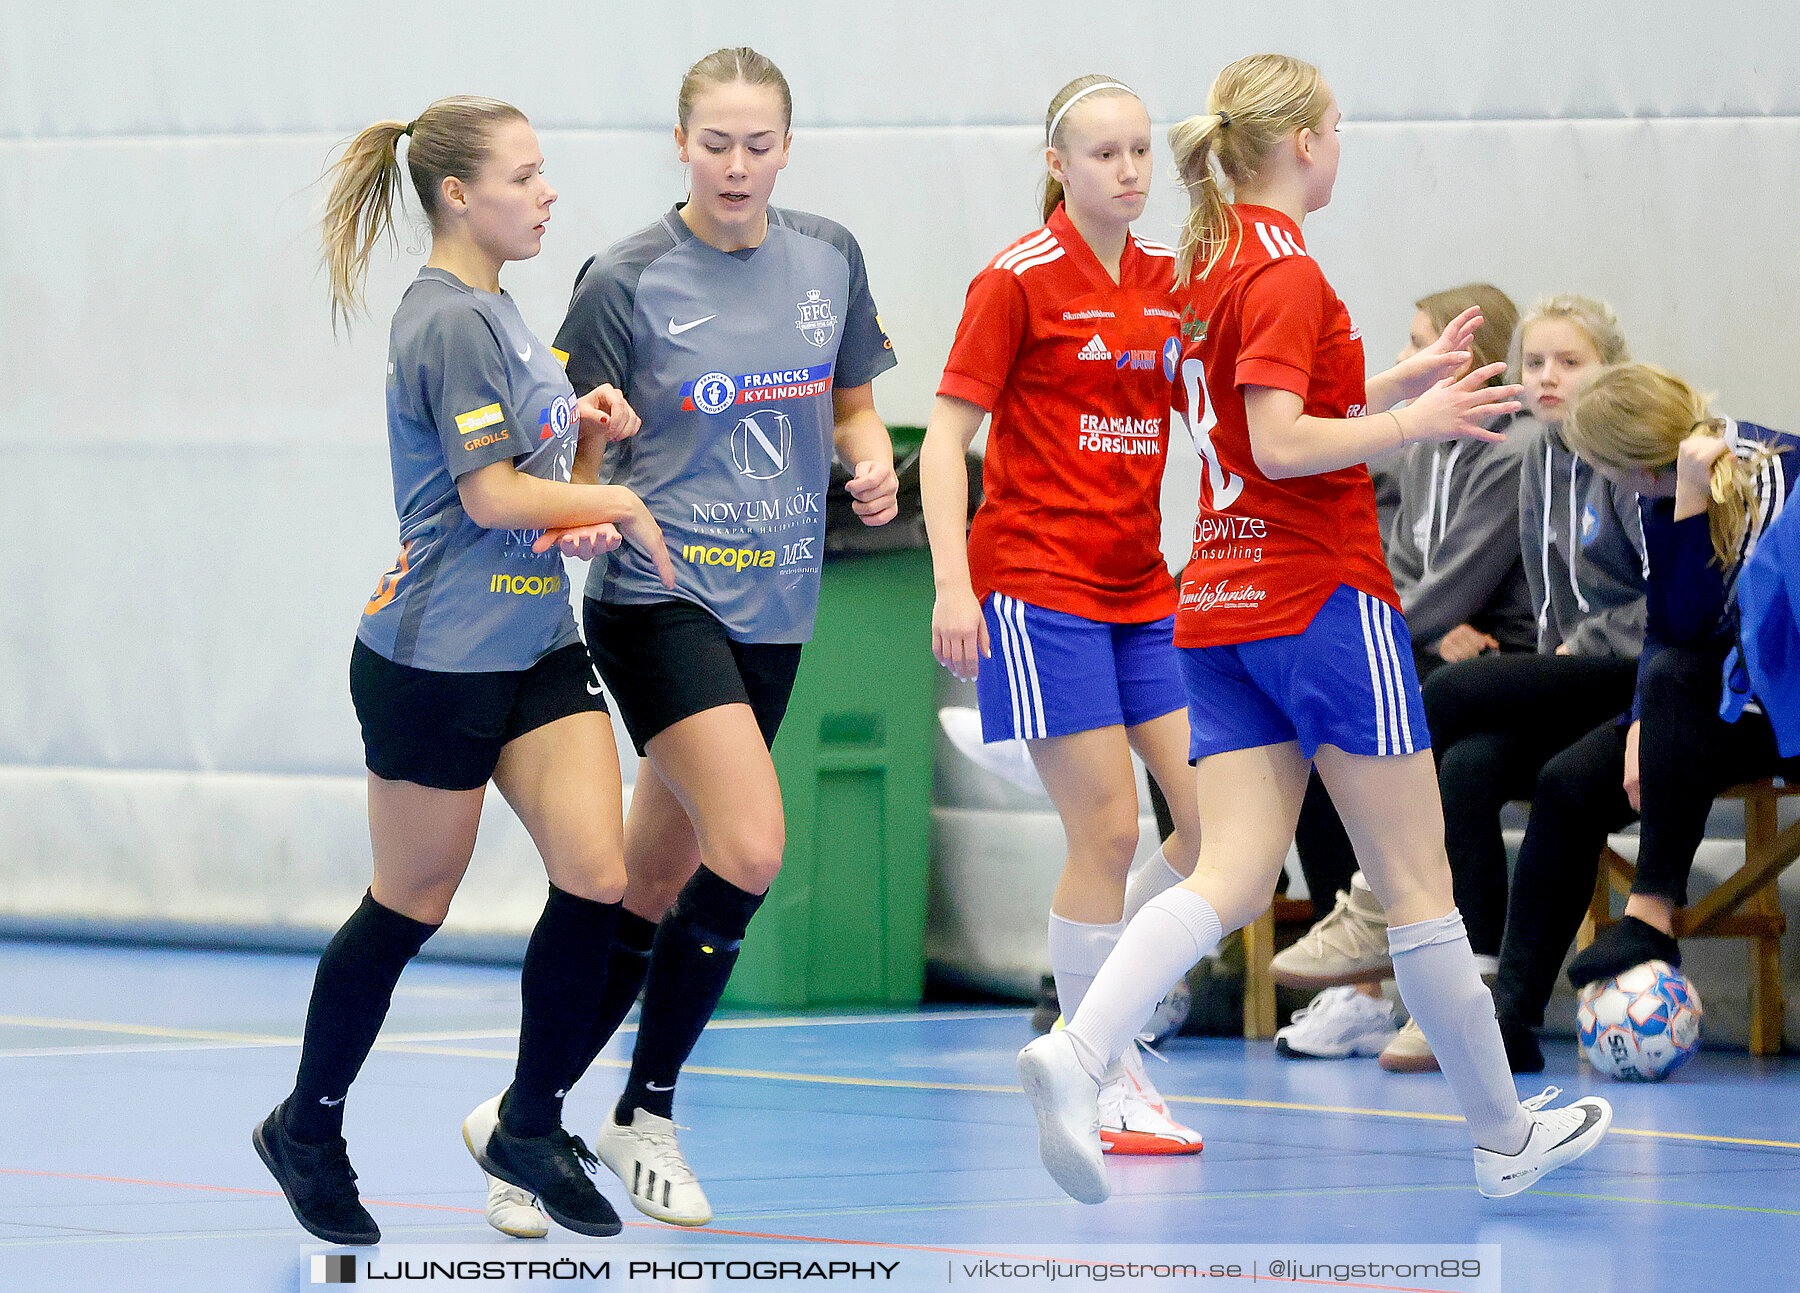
{"x":1291,"y":642}
{"x":1068,"y":339}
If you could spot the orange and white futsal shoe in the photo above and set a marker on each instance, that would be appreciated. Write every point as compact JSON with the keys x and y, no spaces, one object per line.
{"x":1134,"y":1118}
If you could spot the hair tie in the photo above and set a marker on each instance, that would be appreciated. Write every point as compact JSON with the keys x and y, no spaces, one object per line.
{"x":1224,"y":118}
{"x":409,"y":127}
{"x":1077,"y":97}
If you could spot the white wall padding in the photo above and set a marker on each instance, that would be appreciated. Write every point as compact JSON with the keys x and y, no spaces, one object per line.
{"x":201,"y":67}
{"x":194,"y":500}
{"x":231,"y":849}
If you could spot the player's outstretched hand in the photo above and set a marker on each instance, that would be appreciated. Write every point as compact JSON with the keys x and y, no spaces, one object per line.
{"x":1443,"y":358}
{"x":876,"y":490}
{"x":959,"y":634}
{"x":583,"y":542}
{"x":605,"y":411}
{"x":1460,"y":408}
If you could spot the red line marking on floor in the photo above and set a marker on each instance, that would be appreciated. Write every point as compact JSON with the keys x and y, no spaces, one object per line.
{"x":217,"y":1189}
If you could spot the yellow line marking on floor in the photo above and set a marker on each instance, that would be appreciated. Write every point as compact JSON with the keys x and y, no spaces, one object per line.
{"x":1670,"y":1203}
{"x":269,"y":1039}
{"x":144,"y":1030}
{"x":424,"y":1044}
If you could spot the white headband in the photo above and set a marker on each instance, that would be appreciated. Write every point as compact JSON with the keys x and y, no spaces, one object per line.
{"x":1076,"y":98}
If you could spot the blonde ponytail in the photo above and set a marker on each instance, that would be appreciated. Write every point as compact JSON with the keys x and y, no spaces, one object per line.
{"x":1208,"y":228}
{"x":1254,"y":104}
{"x":449,"y":138}
{"x":365,"y":186}
{"x":1635,"y":416}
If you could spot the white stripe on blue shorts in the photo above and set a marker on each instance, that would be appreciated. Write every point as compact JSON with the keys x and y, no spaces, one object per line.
{"x":1021,"y":669}
{"x":1393,"y":727}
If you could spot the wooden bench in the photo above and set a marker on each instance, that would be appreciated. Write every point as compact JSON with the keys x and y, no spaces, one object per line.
{"x":1259,"y":950}
{"x":1747,"y":904}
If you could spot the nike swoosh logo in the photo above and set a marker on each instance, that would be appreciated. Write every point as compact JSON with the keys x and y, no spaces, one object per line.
{"x":651,"y":1086}
{"x":593,"y":689}
{"x":1590,"y":1116}
{"x":525,"y":355}
{"x":676,"y":329}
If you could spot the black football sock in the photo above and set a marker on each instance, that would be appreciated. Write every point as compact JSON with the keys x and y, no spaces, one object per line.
{"x":690,"y":963}
{"x":625,"y":972}
{"x":1619,"y":947}
{"x":350,"y":996}
{"x":560,"y":990}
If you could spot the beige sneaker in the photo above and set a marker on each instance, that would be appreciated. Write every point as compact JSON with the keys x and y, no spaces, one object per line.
{"x":1348,"y":946}
{"x":1409,"y":1052}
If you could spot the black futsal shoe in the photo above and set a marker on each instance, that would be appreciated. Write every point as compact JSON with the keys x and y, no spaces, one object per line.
{"x":553,"y":1167}
{"x":318,"y":1181}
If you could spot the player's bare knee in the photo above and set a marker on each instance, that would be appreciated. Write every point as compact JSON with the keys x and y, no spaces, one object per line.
{"x":748,"y":859}
{"x":598,"y":876}
{"x":427,"y":903}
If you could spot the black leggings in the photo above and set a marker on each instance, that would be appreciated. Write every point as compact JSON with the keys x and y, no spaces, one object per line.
{"x":1686,"y":755}
{"x":1495,"y":721}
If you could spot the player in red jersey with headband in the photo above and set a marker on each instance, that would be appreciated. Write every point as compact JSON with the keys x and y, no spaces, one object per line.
{"x":1292,"y":645}
{"x":1061,"y":605}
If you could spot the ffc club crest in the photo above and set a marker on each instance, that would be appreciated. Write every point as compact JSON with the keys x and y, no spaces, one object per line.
{"x":762,"y":444}
{"x":817,"y":323}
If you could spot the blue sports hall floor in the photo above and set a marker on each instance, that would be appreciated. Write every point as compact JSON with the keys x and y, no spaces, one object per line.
{"x":133,"y":1077}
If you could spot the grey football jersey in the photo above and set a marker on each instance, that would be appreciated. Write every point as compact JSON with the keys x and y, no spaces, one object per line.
{"x":468,"y":385}
{"x":730,"y":359}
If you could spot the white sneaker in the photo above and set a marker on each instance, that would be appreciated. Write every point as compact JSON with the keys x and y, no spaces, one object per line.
{"x":510,"y":1210}
{"x":1557,"y":1136}
{"x":646,"y":1157}
{"x":514,"y":1212}
{"x":1409,"y":1052}
{"x":1339,"y":1022}
{"x":1066,"y":1101}
{"x":1134,"y":1119}
{"x":1348,"y":946}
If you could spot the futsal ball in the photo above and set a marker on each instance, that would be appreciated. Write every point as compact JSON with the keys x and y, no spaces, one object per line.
{"x":1642,"y":1025}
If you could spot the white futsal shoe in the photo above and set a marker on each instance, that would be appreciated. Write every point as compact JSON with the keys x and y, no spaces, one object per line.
{"x":514,"y":1212}
{"x":1338,"y":1023}
{"x":510,"y":1210}
{"x":647,"y":1159}
{"x":1067,"y":1103}
{"x":1557,"y":1136}
{"x":1134,"y":1118}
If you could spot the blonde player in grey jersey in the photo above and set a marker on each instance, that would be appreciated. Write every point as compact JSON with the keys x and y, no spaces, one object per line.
{"x":467,"y":667}
{"x":746,"y":336}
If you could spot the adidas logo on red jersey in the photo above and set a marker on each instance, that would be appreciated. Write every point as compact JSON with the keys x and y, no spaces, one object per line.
{"x":1095,"y":349}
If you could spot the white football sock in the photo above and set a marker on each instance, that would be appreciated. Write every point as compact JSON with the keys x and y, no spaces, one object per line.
{"x":1435,"y":972}
{"x":1149,"y":878}
{"x":1077,"y":952}
{"x":1163,"y":942}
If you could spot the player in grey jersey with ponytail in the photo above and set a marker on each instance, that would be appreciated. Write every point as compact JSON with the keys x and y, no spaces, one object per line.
{"x":466,"y":666}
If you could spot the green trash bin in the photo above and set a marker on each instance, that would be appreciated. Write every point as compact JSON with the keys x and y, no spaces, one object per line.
{"x":844,"y":924}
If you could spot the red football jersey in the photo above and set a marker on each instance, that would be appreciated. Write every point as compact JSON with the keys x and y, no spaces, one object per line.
{"x":1076,"y":371}
{"x":1268,"y":553}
